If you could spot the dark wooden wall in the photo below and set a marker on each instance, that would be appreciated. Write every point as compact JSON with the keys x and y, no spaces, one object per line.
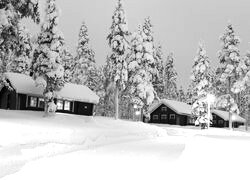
{"x":12,"y":100}
{"x":8,"y":99}
{"x":178,"y":120}
{"x":220,"y":123}
{"x":83,"y":108}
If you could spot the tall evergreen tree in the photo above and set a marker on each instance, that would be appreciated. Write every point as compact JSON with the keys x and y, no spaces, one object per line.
{"x":68,"y":63}
{"x":85,"y":59}
{"x":181,"y":95}
{"x":170,"y":78}
{"x":142,"y":67}
{"x":158,"y":81}
{"x":11,"y":13}
{"x":190,"y":94}
{"x":23,"y":52}
{"x":48,"y":69}
{"x":243,"y":71}
{"x":118,"y":42}
{"x":202,"y":85}
{"x":229,"y":57}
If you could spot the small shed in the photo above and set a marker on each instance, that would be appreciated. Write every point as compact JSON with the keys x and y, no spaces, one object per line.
{"x":25,"y":95}
{"x":221,"y":119}
{"x":171,"y":112}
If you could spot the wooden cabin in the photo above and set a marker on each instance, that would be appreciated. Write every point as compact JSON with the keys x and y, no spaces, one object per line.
{"x":171,"y":112}
{"x":23,"y":94}
{"x":221,"y":119}
{"x":179,"y":113}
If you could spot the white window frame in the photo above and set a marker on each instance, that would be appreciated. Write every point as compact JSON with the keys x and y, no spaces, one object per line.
{"x":164,"y":109}
{"x":172,"y":116}
{"x":61,"y":105}
{"x":64,"y":106}
{"x":34,"y":98}
{"x":164,"y":115}
{"x":155,"y":117}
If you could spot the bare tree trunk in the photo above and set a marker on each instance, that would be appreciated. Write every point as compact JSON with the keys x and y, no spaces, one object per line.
{"x":116,"y":103}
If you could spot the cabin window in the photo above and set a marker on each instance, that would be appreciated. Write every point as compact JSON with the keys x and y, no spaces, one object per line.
{"x":63,"y":105}
{"x":164,"y":109}
{"x":155,"y":117}
{"x":59,"y":104}
{"x":172,"y":116}
{"x":67,"y":105}
{"x":33,"y":101}
{"x":164,"y":117}
{"x":40,"y":102}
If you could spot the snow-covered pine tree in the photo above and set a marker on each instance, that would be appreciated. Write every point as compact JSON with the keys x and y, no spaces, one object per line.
{"x":100,"y":89}
{"x":11,"y":13}
{"x":149,"y":56}
{"x":181,"y":95}
{"x":85,"y":59}
{"x":140,"y":70}
{"x":158,"y":81}
{"x":48,"y":68}
{"x":229,"y":57}
{"x":190,"y":94}
{"x":108,"y":106}
{"x":23,"y":52}
{"x":170,"y":78}
{"x":68,"y":63}
{"x":243,"y":71}
{"x":117,"y":40}
{"x":202,"y":85}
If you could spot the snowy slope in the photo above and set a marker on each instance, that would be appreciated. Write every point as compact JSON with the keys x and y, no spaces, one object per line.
{"x":27,"y":135}
{"x":103,"y":148}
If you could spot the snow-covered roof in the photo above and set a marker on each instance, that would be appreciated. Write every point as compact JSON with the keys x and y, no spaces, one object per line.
{"x":23,"y":84}
{"x":179,"y":107}
{"x":26,"y":85}
{"x":225,"y":115}
{"x":77,"y":92}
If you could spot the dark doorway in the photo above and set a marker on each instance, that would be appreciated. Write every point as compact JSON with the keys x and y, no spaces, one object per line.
{"x":8,"y":101}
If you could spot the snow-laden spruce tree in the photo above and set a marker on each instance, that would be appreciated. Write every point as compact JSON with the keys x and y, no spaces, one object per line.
{"x":170,"y":78}
{"x":229,"y":57}
{"x":11,"y":13}
{"x":181,"y":95}
{"x":85,"y":58}
{"x":190,"y":94}
{"x":108,"y":105}
{"x":158,"y":81}
{"x":202,"y":85}
{"x":117,"y":40}
{"x":68,"y":63}
{"x":23,"y":53}
{"x":48,"y":68}
{"x":243,"y":70}
{"x":141,"y":62}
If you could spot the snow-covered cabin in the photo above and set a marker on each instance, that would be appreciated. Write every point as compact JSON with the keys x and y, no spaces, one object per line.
{"x":25,"y":95}
{"x":221,"y":119}
{"x":171,"y":112}
{"x":180,"y":113}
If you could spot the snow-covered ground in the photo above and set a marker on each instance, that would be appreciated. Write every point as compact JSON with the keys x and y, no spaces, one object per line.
{"x":78,"y":147}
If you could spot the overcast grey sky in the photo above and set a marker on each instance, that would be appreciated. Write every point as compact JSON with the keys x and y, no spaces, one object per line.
{"x":178,"y":25}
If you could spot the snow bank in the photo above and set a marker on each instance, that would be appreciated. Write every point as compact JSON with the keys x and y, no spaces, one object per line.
{"x":24,"y":127}
{"x":215,"y":158}
{"x":27,"y":135}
